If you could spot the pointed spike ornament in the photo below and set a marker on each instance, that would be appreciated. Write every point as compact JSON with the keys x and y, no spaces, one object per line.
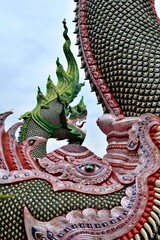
{"x":137,"y":237}
{"x":144,"y":234}
{"x":157,"y":202}
{"x":155,"y":217}
{"x":157,"y":195}
{"x":158,"y":183}
{"x":157,"y":210}
{"x":148,"y":228}
{"x":150,"y":219}
{"x":157,"y":189}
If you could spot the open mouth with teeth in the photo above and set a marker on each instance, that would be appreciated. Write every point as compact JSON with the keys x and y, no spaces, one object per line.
{"x":76,"y":127}
{"x":78,"y":122}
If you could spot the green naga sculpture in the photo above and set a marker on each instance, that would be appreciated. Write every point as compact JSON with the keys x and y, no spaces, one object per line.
{"x":70,"y":193}
{"x":53,"y":117}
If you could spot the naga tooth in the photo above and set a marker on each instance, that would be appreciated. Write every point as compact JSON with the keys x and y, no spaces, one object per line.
{"x":156,"y":209}
{"x":158,"y":183}
{"x":144,"y":234}
{"x":155,"y":217}
{"x":157,"y":190}
{"x":152,"y":222}
{"x":137,"y":237}
{"x":157,"y":202}
{"x":157,"y":195}
{"x":148,"y":228}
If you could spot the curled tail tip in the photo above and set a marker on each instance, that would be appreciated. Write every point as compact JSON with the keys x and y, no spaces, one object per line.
{"x":57,"y":61}
{"x":65,"y":26}
{"x":65,"y":30}
{"x":64,"y":22}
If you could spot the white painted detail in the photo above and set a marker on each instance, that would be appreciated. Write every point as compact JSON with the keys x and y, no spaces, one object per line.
{"x":157,"y":195}
{"x":157,"y":190}
{"x":152,"y":222}
{"x":157,"y":202}
{"x":155,"y":217}
{"x":144,"y":234}
{"x":157,"y":210}
{"x":137,"y":237}
{"x":158,"y":183}
{"x":148,"y":228}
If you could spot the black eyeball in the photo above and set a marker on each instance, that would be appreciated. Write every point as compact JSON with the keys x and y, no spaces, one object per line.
{"x":31,"y":142}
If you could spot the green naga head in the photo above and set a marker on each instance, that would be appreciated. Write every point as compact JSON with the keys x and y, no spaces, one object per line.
{"x":53,"y":111}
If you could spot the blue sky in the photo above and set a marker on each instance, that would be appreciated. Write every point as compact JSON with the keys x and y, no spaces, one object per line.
{"x":31,"y":40}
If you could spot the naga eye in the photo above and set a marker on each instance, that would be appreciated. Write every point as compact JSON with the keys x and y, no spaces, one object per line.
{"x":89,"y":168}
{"x":31,"y":142}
